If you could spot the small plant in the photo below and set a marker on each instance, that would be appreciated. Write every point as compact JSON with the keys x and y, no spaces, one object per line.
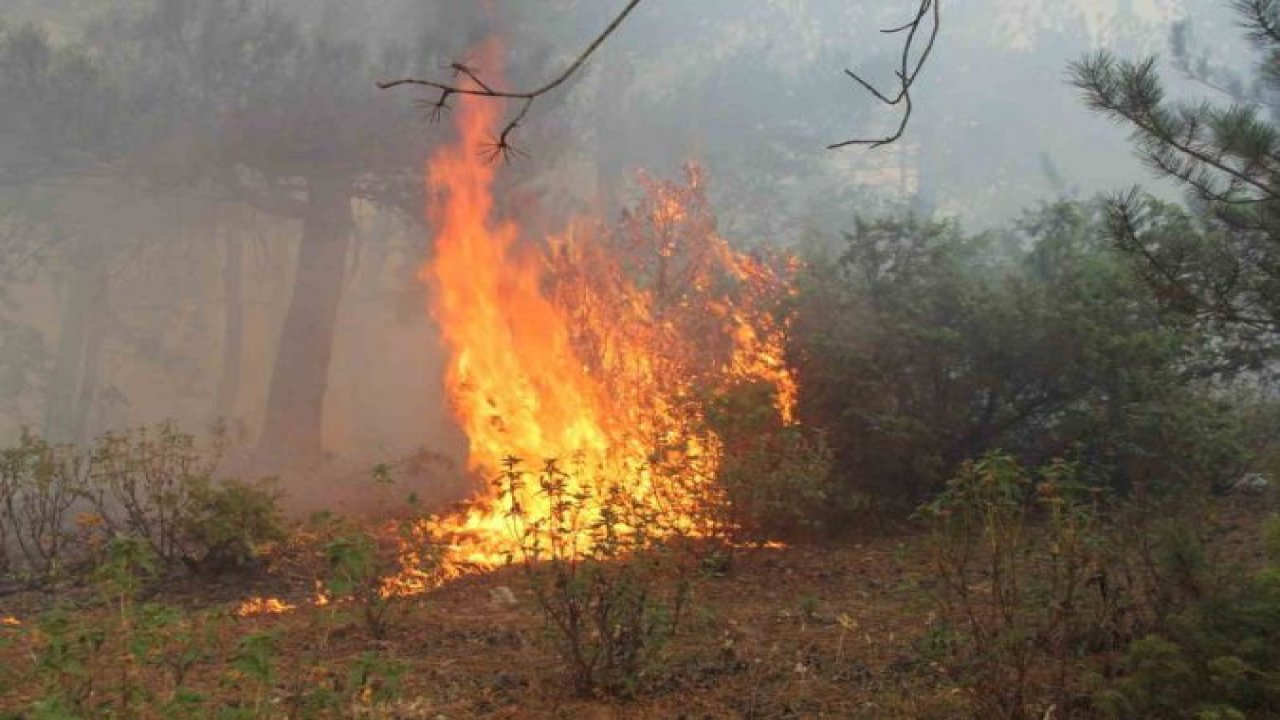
{"x":143,"y":482}
{"x":255,"y":661}
{"x":373,"y":575}
{"x":129,"y":564}
{"x":355,"y":571}
{"x":1015,"y":590}
{"x":598,"y":577}
{"x":809,"y":607}
{"x":64,"y":655}
{"x":105,"y":667}
{"x":40,"y":483}
{"x":82,"y":661}
{"x":184,"y":645}
{"x":229,"y":522}
{"x":154,"y":484}
{"x":1218,"y":657}
{"x":776,"y":477}
{"x":374,"y":679}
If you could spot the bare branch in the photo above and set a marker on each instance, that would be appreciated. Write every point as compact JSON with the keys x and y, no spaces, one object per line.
{"x":928,"y":13}
{"x":502,"y":146}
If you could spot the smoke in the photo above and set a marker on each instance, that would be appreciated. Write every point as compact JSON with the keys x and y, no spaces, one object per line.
{"x":148,"y":275}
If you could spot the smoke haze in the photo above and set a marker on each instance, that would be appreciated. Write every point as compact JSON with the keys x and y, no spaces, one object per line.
{"x":164,"y":163}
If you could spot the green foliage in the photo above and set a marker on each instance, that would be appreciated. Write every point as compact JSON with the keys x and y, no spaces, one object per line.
{"x":1016,"y":590}
{"x":776,"y":477}
{"x":1219,"y":658}
{"x":919,"y":346}
{"x":144,"y":482}
{"x":255,"y":660}
{"x":128,"y":564}
{"x":598,"y":577}
{"x":231,"y":520}
{"x":375,"y":678}
{"x":1038,"y":573}
{"x":1217,"y":263}
{"x":137,"y":658}
{"x":39,"y":485}
{"x":372,"y":571}
{"x":356,"y":570}
{"x":153,"y":485}
{"x":63,"y":660}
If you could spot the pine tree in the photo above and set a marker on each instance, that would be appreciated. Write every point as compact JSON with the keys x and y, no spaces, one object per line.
{"x":1220,"y":259}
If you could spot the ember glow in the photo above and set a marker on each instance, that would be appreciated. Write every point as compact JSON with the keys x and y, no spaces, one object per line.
{"x":597,"y":347}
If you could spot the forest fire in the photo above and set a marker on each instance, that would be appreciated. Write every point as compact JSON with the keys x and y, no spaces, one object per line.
{"x":262,"y":606}
{"x":602,"y":350}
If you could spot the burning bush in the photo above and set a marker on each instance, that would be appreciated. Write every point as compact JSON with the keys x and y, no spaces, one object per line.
{"x":598,"y":567}
{"x":600,"y":348}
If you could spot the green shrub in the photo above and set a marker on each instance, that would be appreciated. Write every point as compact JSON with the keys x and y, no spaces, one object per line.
{"x":1219,"y":657}
{"x":155,"y":484}
{"x":40,"y":484}
{"x":145,"y":483}
{"x":230,"y":521}
{"x":612,"y":588}
{"x":256,"y":660}
{"x":777,"y":477}
{"x":918,"y":346}
{"x":1015,"y":554}
{"x":356,"y":569}
{"x":373,"y":569}
{"x":131,"y":662}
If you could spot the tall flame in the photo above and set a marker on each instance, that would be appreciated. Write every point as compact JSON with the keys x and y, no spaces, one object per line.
{"x":596,"y":346}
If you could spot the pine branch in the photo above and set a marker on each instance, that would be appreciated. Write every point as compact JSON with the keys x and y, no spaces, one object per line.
{"x":1131,"y":93}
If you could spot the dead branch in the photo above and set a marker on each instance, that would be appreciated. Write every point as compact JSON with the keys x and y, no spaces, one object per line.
{"x":501,"y":146}
{"x":927,"y":15}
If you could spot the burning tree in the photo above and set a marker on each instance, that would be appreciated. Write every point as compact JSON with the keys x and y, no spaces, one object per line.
{"x":595,"y":350}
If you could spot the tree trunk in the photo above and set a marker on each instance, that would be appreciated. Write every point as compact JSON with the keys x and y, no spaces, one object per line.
{"x":228,"y":389}
{"x":73,"y":386}
{"x":295,"y":402}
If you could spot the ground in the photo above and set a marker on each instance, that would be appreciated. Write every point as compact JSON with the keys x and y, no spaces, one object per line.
{"x":802,"y":631}
{"x":844,"y":630}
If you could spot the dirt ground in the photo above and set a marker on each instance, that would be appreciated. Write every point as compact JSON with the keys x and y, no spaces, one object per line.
{"x":840,"y":631}
{"x":804,"y":632}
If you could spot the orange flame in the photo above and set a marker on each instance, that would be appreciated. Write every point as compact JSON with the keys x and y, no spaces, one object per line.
{"x":263,"y":606}
{"x":594,"y":347}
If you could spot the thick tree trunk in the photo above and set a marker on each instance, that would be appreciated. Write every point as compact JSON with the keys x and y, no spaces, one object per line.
{"x":228,"y":389}
{"x":295,"y":402}
{"x":73,"y":387}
